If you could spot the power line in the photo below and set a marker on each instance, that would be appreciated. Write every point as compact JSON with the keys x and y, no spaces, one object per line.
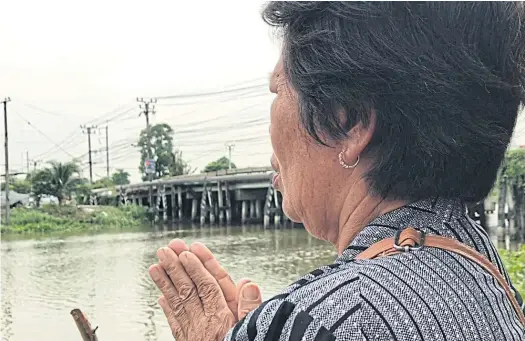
{"x":73,"y":137}
{"x":213,"y":93}
{"x":101,"y":118}
{"x":44,"y":135}
{"x":34,"y":107}
{"x":246,"y":95}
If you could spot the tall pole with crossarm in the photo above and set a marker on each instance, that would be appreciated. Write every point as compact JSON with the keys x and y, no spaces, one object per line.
{"x":6,"y":151}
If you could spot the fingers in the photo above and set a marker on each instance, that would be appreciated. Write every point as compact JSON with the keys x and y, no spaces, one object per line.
{"x":208,"y":289}
{"x":222,"y":277}
{"x":249,"y":298}
{"x":184,"y":285}
{"x":175,"y":327}
{"x":235,"y":304}
{"x":178,"y":245}
{"x":170,"y":293}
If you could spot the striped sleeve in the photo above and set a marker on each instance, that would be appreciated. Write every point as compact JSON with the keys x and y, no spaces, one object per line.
{"x":323,"y":317}
{"x":264,"y":323}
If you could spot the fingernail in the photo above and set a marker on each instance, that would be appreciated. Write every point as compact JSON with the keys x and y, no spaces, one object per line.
{"x":250,"y":292}
{"x":154,"y":272}
{"x":161,"y":254}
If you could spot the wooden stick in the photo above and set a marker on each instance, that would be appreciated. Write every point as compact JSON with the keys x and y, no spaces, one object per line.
{"x":83,"y":325}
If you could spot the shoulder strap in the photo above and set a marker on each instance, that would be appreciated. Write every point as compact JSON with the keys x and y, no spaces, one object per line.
{"x":411,"y":239}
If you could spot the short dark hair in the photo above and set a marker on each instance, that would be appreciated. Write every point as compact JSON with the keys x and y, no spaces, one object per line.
{"x":445,"y":80}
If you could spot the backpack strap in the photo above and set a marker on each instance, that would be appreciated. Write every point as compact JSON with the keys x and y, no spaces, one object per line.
{"x":411,"y":239}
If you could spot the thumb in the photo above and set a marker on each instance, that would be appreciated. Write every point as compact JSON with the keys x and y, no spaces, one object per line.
{"x":249,"y":299}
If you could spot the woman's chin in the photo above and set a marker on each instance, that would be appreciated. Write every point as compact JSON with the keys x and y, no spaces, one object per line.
{"x":289,"y":211}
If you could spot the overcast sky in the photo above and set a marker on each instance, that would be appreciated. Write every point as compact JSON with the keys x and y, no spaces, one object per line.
{"x":65,"y":64}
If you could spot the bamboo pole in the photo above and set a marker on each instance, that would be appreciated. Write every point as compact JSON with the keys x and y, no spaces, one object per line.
{"x":83,"y":325}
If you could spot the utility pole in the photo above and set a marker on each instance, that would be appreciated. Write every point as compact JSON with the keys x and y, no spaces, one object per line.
{"x":107,"y":151}
{"x":230,"y":146}
{"x":6,"y":146}
{"x":89,"y":130}
{"x":148,"y":106}
{"x":34,"y":162}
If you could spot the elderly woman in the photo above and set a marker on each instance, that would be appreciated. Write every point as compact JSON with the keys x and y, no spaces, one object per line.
{"x":388,"y":118}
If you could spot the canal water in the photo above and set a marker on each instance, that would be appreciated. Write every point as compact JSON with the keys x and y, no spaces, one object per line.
{"x":105,"y":275}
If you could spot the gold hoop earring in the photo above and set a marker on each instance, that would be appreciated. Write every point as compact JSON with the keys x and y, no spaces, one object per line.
{"x":344,"y":164}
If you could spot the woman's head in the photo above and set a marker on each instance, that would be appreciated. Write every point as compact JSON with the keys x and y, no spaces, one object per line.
{"x":426,"y":94}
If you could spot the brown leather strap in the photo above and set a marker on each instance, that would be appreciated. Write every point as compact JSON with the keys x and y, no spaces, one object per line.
{"x":410,"y":239}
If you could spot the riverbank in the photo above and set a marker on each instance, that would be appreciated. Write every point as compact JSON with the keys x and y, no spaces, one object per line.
{"x":53,"y":218}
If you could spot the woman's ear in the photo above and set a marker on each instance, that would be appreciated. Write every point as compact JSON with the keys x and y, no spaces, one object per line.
{"x":359,"y":137}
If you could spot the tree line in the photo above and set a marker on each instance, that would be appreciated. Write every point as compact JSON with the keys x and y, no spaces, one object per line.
{"x":63,"y":180}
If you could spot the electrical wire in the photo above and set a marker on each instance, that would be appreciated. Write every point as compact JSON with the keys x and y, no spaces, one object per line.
{"x":213,"y":93}
{"x":41,"y":133}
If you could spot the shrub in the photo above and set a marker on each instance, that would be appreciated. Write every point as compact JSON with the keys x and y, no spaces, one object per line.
{"x":515,"y":264}
{"x":52,"y":218}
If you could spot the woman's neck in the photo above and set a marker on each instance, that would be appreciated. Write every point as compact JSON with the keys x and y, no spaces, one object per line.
{"x":359,"y":208}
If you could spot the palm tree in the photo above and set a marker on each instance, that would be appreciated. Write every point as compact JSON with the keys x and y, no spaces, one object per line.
{"x":62,"y":179}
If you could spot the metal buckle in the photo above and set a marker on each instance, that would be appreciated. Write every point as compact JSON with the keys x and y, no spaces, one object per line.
{"x":408,"y":248}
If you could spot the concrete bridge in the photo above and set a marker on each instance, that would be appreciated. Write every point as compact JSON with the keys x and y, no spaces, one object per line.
{"x":247,"y":196}
{"x":236,"y":195}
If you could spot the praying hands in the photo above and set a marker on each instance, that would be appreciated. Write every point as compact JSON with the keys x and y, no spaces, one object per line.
{"x":199,"y":298}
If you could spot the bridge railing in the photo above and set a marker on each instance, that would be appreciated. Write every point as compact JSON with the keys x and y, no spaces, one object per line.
{"x":238,"y":174}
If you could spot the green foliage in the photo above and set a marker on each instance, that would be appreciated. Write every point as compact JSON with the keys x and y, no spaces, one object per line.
{"x":22,"y":186}
{"x":168,"y":162}
{"x":513,"y":168}
{"x":515,"y":163}
{"x":102,"y":183}
{"x":515,"y":264}
{"x":178,"y":166}
{"x":53,"y":218}
{"x":120,"y":177}
{"x":58,"y":180}
{"x":82,"y":192}
{"x":222,"y":163}
{"x":160,"y":140}
{"x":41,"y":184}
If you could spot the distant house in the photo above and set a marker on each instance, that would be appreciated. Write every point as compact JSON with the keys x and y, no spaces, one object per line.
{"x":15,"y":199}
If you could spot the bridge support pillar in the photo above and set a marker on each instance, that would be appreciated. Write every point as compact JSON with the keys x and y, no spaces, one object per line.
{"x":162,"y":195}
{"x":268,"y":207}
{"x":179,"y":203}
{"x":220,"y":202}
{"x":252,"y":209}
{"x":228,"y":204}
{"x":157,"y":206}
{"x":211,"y":206}
{"x":204,"y":208}
{"x":173,"y":203}
{"x":244,"y":211}
{"x":258,"y":214}
{"x":277,"y":216}
{"x":194,"y":207}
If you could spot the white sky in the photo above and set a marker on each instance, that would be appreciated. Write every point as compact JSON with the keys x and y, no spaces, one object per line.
{"x":65,"y":64}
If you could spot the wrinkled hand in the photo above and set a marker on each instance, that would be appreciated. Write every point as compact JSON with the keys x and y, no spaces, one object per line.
{"x":200,"y":300}
{"x":241,"y":298}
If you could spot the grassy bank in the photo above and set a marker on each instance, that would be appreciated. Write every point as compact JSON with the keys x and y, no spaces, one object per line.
{"x":515,"y":264}
{"x":52,"y":218}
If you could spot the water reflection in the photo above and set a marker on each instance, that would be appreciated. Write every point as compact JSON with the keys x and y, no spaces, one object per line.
{"x":105,"y":275}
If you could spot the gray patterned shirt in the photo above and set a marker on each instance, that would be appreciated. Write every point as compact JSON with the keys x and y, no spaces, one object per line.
{"x":428,"y":294}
